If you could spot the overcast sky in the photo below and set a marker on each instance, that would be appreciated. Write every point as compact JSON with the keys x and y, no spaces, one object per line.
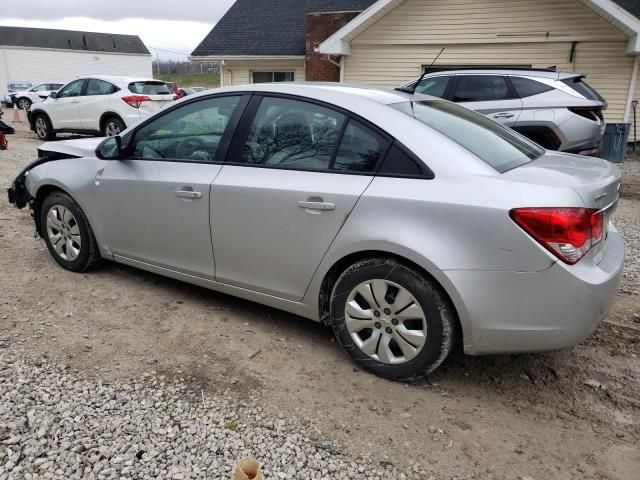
{"x":168,"y":25}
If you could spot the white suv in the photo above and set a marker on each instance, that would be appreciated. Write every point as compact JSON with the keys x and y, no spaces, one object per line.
{"x":25,"y":98}
{"x":98,"y":105}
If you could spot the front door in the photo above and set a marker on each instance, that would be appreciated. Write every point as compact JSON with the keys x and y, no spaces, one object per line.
{"x":490,"y":95}
{"x":287,"y":188}
{"x":65,"y":114}
{"x":155,"y":201}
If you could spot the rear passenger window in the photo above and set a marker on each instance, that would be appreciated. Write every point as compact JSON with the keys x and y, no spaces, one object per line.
{"x":360,"y":149}
{"x":527,"y":87}
{"x":100,"y":87}
{"x":293,"y":134}
{"x":480,"y":88}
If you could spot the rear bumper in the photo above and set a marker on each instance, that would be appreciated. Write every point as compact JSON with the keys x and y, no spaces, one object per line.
{"x":518,"y":312}
{"x":590,"y":149}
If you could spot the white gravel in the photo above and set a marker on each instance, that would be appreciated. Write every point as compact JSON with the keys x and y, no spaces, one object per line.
{"x":54,"y":424}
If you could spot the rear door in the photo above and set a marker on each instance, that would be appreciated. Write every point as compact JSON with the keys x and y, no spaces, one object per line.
{"x":95,"y":102}
{"x":294,"y":175}
{"x":157,"y":95}
{"x":64,"y":112}
{"x":491,"y":95}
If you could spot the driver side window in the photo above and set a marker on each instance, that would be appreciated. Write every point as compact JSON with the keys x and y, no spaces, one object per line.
{"x":190,"y":133}
{"x":74,"y":89}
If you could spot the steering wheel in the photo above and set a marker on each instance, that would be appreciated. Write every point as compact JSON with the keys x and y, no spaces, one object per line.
{"x":190,"y":145}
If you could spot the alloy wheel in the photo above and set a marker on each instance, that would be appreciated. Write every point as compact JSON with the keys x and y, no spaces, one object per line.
{"x":41,"y":127}
{"x":63,"y":232}
{"x":24,"y":104}
{"x":385,"y":321}
{"x":112,"y":129}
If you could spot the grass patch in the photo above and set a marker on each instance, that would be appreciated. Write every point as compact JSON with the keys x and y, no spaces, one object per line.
{"x":231,"y":425}
{"x":209,"y":80}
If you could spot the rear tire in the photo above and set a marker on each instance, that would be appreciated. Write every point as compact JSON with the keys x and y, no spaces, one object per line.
{"x":112,"y":126}
{"x":402,"y":326}
{"x":43,"y":128}
{"x":67,"y":233}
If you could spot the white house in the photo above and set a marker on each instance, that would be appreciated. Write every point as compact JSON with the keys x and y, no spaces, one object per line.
{"x":40,"y":55}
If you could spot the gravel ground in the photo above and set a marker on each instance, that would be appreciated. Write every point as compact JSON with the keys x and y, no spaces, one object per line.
{"x":225,"y":378}
{"x":55,"y":424}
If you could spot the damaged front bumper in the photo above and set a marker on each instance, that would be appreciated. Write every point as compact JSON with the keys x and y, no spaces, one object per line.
{"x":18,"y":193}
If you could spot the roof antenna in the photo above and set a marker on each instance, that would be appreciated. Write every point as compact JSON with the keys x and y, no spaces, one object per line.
{"x":412,"y":89}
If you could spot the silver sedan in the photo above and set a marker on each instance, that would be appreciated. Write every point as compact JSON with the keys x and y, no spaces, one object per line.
{"x":406,"y":223}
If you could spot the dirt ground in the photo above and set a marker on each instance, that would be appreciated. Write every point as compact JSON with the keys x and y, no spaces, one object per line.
{"x":572,"y":414}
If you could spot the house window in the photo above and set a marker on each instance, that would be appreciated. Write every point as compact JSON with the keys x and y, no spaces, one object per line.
{"x":271,"y":77}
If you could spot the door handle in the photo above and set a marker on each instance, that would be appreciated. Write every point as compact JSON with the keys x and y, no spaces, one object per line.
{"x":503,"y":115}
{"x":307,"y":205}
{"x":188,"y":194}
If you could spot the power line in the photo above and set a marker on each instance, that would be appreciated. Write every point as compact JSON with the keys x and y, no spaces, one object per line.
{"x":169,"y":51}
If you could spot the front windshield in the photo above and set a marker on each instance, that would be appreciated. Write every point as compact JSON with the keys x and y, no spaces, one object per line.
{"x":498,"y":146}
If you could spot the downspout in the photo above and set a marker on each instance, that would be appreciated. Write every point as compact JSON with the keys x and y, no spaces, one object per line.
{"x":632,"y":88}
{"x":342,"y":69}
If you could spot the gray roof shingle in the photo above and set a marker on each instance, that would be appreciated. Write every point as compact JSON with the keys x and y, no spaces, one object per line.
{"x":71,"y":40}
{"x":631,"y":6}
{"x":268,"y":27}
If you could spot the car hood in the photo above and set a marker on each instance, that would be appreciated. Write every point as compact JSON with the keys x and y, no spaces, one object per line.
{"x":82,"y":147}
{"x":596,"y":180}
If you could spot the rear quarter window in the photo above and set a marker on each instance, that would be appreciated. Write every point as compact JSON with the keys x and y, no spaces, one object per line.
{"x":527,"y":87}
{"x":580,"y":86}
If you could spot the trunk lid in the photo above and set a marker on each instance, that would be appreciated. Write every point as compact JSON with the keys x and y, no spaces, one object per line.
{"x":155,"y":104}
{"x":595,"y":180}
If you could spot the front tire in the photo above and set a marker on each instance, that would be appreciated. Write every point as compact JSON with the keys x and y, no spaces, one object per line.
{"x":43,"y":128}
{"x":24,"y":103}
{"x":67,"y":233}
{"x":113,"y":126}
{"x":391,"y":319}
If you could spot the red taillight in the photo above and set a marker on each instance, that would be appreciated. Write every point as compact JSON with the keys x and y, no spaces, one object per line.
{"x":589,"y":113}
{"x":568,"y":233}
{"x":136,"y":100}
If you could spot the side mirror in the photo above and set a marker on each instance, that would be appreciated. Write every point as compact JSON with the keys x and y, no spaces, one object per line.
{"x":53,"y":95}
{"x":110,"y":149}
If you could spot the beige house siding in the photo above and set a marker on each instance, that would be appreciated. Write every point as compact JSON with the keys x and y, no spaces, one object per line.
{"x":493,"y":32}
{"x":238,"y":72}
{"x":464,"y":21}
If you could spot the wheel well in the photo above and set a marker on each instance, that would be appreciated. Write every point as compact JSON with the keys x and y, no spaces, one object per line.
{"x":106,"y":116}
{"x":544,"y":136}
{"x":341,"y":265}
{"x":43,"y":192}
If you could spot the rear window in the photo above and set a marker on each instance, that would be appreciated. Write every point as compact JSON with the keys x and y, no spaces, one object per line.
{"x":580,"y":86}
{"x":149,"y":88}
{"x":498,"y":146}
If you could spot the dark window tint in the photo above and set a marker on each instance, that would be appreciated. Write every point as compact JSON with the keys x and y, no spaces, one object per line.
{"x":360,"y":149}
{"x":149,"y":88}
{"x":480,"y":88}
{"x":434,"y":86}
{"x":74,"y":89}
{"x":100,"y":87}
{"x":583,"y":89}
{"x":398,"y":162}
{"x":191,"y":132}
{"x":293,"y":134}
{"x":55,"y":86}
{"x":527,"y":87}
{"x":498,"y":146}
{"x":272,"y":77}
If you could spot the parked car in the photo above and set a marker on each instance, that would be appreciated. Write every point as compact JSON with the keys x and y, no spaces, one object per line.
{"x":15,"y":86}
{"x":403,"y":221}
{"x":559,"y":111}
{"x":198,"y":89}
{"x":98,"y":105}
{"x":185,"y":92}
{"x":25,"y":98}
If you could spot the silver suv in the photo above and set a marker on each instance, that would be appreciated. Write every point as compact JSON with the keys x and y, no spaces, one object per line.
{"x":559,"y":111}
